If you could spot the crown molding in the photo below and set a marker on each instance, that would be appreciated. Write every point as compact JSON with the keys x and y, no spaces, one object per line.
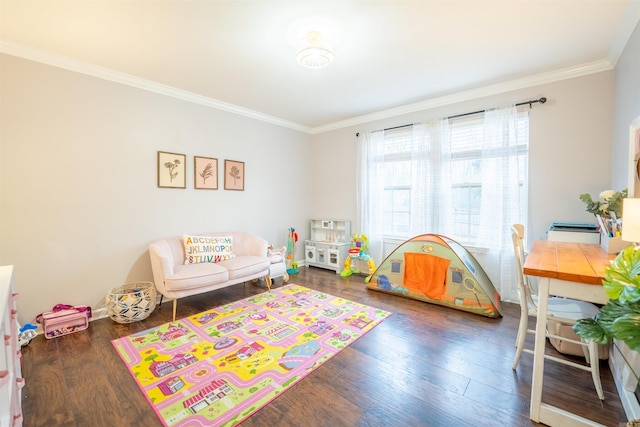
{"x":71,"y":64}
{"x":148,"y":85}
{"x":468,"y":95}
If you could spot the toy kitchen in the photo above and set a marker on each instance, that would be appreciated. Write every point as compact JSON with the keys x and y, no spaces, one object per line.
{"x":329,"y":244}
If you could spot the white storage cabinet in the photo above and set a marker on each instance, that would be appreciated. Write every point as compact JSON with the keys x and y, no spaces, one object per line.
{"x":11,"y":381}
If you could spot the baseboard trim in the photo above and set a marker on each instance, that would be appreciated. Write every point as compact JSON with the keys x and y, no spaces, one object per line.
{"x":100,"y":313}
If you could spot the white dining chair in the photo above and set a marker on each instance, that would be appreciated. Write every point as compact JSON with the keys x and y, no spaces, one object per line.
{"x":564,"y":310}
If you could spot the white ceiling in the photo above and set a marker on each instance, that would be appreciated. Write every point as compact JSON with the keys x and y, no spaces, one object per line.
{"x":390,"y":56}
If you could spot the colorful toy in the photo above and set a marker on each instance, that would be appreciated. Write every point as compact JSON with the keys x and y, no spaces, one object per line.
{"x":358,"y":261}
{"x":436,"y":269}
{"x":26,"y":333}
{"x":292,"y":265}
{"x":278,"y":267}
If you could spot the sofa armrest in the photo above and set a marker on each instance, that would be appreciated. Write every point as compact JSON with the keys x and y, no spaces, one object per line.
{"x":254,"y":245}
{"x":162,"y":263}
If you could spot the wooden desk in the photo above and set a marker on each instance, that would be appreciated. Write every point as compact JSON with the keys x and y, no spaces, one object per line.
{"x":572,"y":270}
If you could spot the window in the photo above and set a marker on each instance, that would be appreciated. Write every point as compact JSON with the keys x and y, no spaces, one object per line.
{"x":466,"y":170}
{"x":397,"y":189}
{"x":455,"y":172}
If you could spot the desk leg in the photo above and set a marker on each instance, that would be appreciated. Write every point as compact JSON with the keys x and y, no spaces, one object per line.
{"x":539,"y":349}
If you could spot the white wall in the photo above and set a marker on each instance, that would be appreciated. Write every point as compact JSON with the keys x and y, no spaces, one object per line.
{"x":570,"y":151}
{"x":626,"y":107}
{"x":78,"y":197}
{"x":79,"y":202}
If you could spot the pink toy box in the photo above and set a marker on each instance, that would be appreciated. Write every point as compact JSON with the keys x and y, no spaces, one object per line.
{"x":64,"y":319}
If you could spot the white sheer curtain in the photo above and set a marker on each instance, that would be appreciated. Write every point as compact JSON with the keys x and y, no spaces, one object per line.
{"x":431,"y":189}
{"x":431,"y":203}
{"x":370,"y":190}
{"x":502,"y":202}
{"x":428,"y":144}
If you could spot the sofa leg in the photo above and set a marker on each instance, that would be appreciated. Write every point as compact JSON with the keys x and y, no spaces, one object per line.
{"x":160,"y":303}
{"x":267,"y":280}
{"x":175,"y":307}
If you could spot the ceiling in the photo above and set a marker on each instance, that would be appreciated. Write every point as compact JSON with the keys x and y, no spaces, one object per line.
{"x":390,"y":56}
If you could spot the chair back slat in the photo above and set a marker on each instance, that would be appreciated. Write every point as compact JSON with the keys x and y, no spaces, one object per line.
{"x":524,"y":285}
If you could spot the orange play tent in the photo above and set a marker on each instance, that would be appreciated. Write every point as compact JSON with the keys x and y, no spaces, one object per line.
{"x":436,"y":269}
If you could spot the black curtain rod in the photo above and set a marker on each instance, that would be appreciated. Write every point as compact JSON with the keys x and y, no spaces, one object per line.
{"x":530,"y":103}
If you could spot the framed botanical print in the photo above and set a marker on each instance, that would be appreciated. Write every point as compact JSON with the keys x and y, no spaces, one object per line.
{"x":171,"y":170}
{"x":233,"y":175}
{"x":205,"y":170}
{"x":634,"y":153}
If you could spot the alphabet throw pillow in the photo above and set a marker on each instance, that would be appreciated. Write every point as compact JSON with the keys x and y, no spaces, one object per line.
{"x":199,"y":249}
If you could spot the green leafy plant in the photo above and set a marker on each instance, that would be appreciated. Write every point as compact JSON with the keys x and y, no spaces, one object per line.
{"x":620,"y":317}
{"x":610,"y":201}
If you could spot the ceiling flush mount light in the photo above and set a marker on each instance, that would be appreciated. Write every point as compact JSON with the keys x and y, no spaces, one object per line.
{"x":314,"y":51}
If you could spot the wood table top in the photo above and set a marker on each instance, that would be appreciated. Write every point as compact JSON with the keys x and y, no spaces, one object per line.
{"x":574,"y":262}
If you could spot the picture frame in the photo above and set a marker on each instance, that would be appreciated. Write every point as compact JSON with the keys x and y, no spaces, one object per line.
{"x":171,"y":170}
{"x":634,"y":159}
{"x":205,"y":173}
{"x":234,"y":174}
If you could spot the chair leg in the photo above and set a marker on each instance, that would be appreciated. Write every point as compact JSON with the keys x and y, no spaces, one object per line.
{"x":522,"y":334}
{"x":175,"y":308}
{"x":267,"y":280}
{"x":593,"y":359}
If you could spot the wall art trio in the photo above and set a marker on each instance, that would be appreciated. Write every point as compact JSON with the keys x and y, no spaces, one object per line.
{"x":172,"y":171}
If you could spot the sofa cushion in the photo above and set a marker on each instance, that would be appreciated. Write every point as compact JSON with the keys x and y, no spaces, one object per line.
{"x":246,"y":265}
{"x":200,"y":249}
{"x":191,"y":276}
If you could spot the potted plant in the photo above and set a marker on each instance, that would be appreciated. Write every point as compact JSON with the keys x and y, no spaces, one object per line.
{"x":620,"y":317}
{"x":608,"y":212}
{"x":610,"y":201}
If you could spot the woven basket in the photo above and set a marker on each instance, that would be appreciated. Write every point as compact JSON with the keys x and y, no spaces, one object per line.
{"x":131,"y":302}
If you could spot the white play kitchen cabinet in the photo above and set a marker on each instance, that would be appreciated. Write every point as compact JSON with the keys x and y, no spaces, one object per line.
{"x":328,"y":245}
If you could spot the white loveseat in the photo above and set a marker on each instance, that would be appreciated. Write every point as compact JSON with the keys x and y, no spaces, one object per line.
{"x":175,"y":279}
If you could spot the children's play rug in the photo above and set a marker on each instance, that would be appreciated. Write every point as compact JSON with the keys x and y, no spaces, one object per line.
{"x":218,"y":367}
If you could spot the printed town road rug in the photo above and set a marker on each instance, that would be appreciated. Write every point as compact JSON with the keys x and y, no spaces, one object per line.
{"x":218,"y":367}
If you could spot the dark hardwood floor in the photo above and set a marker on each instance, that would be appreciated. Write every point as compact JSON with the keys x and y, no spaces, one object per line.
{"x":425,"y":365}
